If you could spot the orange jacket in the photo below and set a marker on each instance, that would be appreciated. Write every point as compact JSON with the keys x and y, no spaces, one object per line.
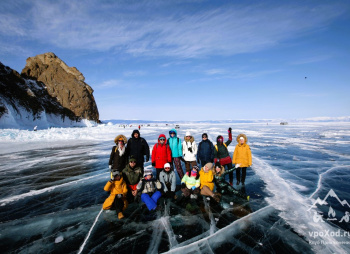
{"x":115,"y":187}
{"x":242,"y":154}
{"x":206,"y":179}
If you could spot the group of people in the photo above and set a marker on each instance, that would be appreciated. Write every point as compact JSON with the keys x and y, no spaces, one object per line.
{"x":130,"y":181}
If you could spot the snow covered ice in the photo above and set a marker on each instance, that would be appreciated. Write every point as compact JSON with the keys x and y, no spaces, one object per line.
{"x":52,"y":193}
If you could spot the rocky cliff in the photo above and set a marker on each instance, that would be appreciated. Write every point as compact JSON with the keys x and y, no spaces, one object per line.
{"x":64,"y":83}
{"x":47,"y":91}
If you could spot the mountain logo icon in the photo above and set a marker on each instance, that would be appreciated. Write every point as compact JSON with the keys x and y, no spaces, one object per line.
{"x":331,"y":212}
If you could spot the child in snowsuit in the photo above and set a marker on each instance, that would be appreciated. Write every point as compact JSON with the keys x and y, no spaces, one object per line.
{"x":118,"y":158}
{"x":221,"y":185}
{"x":176,"y":151}
{"x":242,"y":156}
{"x":161,"y":154}
{"x":132,"y":176}
{"x":221,"y":154}
{"x":205,"y":150}
{"x":189,"y":151}
{"x":168,"y":180}
{"x":117,"y":199}
{"x":206,"y":176}
{"x":149,"y":189}
{"x":190,"y":183}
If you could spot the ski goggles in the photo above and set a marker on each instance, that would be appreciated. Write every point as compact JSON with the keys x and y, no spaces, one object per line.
{"x":161,"y":138}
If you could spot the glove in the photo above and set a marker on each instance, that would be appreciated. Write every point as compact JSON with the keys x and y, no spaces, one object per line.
{"x":120,"y":195}
{"x":229,"y":129}
{"x":153,"y":164}
{"x":230,"y":134}
{"x":237,"y":165}
{"x":190,"y":149}
{"x":158,"y":185}
{"x":193,"y":187}
{"x":110,"y":166}
{"x":183,"y":185}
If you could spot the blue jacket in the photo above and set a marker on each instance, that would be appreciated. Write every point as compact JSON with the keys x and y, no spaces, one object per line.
{"x":205,"y":151}
{"x":175,"y":145}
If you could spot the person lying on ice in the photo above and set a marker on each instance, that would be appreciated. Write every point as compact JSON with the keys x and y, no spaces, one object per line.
{"x":206,"y":176}
{"x":117,"y":198}
{"x":168,"y":179}
{"x":149,"y":189}
{"x":190,"y":183}
{"x":222,"y":186}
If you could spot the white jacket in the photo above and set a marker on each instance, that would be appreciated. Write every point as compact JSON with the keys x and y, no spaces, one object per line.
{"x":189,"y":156}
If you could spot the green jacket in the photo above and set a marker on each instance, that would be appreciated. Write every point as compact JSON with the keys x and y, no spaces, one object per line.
{"x":221,"y":151}
{"x":224,"y":187}
{"x":132,"y":176}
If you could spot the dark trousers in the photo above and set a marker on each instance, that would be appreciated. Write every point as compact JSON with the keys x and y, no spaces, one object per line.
{"x":188,"y":165}
{"x":177,"y":162}
{"x":158,"y":172}
{"x":228,"y":167}
{"x":238,"y":174}
{"x":118,"y":204}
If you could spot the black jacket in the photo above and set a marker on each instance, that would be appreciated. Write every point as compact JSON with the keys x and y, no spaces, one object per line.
{"x":117,"y":161}
{"x":138,"y":147}
{"x":205,"y":151}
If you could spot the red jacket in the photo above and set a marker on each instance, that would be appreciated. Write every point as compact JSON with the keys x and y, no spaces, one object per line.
{"x":161,"y":154}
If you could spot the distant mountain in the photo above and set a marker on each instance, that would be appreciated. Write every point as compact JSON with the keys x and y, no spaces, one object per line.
{"x":47,"y":93}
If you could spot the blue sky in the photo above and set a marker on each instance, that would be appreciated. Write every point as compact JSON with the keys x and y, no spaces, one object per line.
{"x":193,"y":60}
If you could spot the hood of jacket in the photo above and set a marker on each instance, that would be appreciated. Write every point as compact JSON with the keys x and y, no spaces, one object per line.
{"x":120,"y":136}
{"x":191,"y":139}
{"x":217,"y":139}
{"x":221,"y":171}
{"x":174,"y":130}
{"x":244,"y":136}
{"x":135,"y":131}
{"x":162,"y":136}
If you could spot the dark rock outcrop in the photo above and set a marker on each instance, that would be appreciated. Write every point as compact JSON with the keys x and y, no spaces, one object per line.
{"x":64,"y":83}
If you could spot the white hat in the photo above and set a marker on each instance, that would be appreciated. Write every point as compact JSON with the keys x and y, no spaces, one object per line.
{"x":147,"y":172}
{"x":241,"y":138}
{"x":188,"y":133}
{"x":166,"y":165}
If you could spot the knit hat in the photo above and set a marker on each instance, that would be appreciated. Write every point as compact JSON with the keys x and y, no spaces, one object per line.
{"x":147,"y":172}
{"x":196,"y":168}
{"x":217,"y":164}
{"x":116,"y":173}
{"x":205,"y":134}
{"x":209,"y":165}
{"x":166,"y":165}
{"x":188,"y":133}
{"x":132,"y":158}
{"x":241,"y":138}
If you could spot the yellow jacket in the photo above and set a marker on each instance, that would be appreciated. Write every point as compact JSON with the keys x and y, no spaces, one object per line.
{"x":242,"y":154}
{"x":206,"y":179}
{"x":115,"y":187}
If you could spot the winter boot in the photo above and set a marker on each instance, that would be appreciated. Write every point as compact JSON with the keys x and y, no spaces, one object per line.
{"x":120,"y":215}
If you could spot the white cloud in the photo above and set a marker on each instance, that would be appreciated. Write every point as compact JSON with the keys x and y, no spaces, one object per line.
{"x":149,"y":28}
{"x":111,"y":83}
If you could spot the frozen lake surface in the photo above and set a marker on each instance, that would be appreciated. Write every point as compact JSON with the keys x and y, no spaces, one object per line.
{"x":51,"y":194}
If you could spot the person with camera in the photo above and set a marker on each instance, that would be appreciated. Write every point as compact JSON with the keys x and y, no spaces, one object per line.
{"x":189,"y":151}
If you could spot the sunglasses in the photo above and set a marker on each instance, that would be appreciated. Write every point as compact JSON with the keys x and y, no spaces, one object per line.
{"x":162,"y":139}
{"x":167,"y":168}
{"x":171,"y":132}
{"x":132,"y":161}
{"x":121,"y":141}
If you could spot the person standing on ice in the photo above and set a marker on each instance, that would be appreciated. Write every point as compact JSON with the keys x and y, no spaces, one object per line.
{"x":205,"y":151}
{"x":119,"y":157}
{"x":138,"y":147}
{"x":149,"y":189}
{"x":132,"y":175}
{"x":221,"y":154}
{"x":161,"y":154}
{"x":176,"y":152}
{"x":242,"y":156}
{"x":168,"y":179}
{"x":117,"y":198}
{"x":189,"y":151}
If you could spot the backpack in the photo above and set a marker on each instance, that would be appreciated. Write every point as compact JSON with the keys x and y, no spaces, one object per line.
{"x":178,"y":141}
{"x":216,"y":146}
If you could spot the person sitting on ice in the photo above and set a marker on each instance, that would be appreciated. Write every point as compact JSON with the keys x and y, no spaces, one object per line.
{"x":168,"y":179}
{"x":117,"y":198}
{"x":132,"y":176}
{"x":149,"y":188}
{"x":206,"y":177}
{"x":222,"y":186}
{"x":190,"y":183}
